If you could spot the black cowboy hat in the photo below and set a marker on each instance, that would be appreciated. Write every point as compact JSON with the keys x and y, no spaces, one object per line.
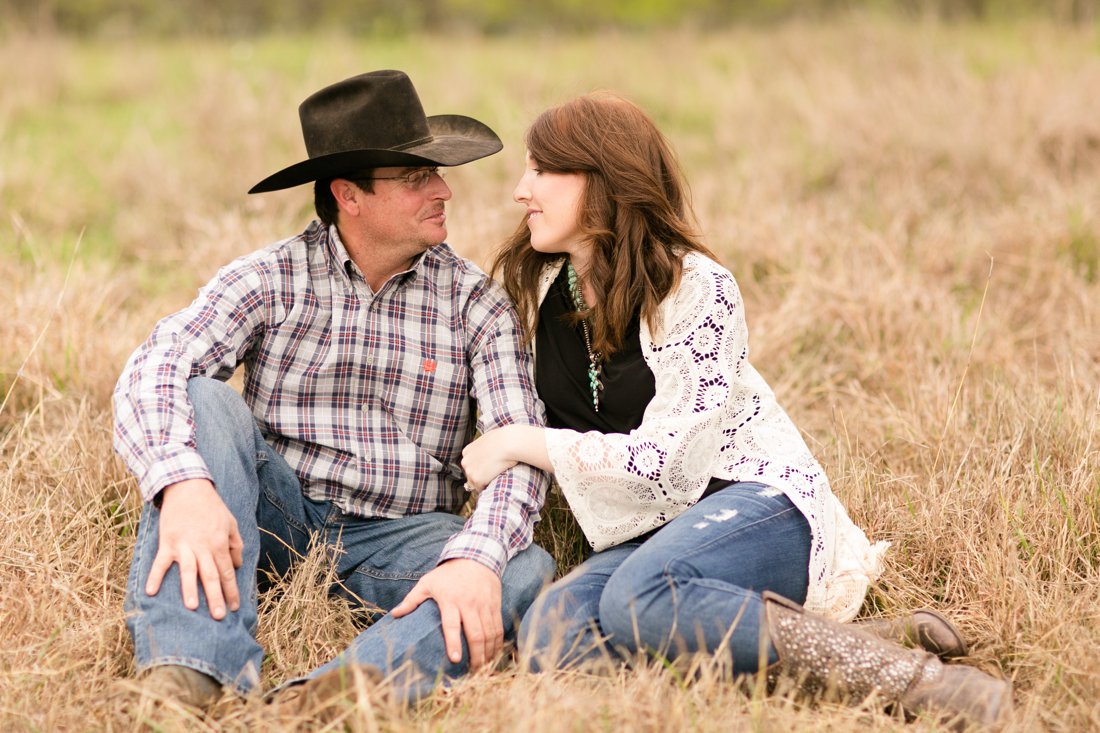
{"x":375,"y":120}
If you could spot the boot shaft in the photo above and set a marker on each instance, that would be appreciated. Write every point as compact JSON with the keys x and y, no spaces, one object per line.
{"x":826,"y":656}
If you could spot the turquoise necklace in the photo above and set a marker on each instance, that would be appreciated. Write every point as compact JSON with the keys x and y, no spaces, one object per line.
{"x":595,"y":365}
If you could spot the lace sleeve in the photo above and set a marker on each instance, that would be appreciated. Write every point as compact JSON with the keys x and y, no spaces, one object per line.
{"x":622,"y":485}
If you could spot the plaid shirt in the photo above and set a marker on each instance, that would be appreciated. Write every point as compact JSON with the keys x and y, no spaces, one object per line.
{"x":367,"y":395}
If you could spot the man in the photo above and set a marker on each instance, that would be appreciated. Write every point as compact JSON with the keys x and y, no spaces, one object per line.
{"x":364,"y":341}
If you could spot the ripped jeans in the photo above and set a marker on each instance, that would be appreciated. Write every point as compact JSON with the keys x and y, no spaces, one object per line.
{"x":693,"y":586}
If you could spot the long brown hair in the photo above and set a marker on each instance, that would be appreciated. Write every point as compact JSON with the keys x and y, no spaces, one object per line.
{"x":635,"y":212}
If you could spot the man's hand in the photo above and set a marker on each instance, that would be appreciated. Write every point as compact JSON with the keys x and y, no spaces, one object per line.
{"x":198,"y":533}
{"x":468,"y":596}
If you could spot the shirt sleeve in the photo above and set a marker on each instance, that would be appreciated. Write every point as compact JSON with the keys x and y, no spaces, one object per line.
{"x":507,"y":509}
{"x":620,"y":485}
{"x":154,"y":421}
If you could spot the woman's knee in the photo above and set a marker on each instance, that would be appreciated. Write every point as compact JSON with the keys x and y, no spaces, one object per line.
{"x":636,"y":601}
{"x":534,"y":635}
{"x":558,"y":629}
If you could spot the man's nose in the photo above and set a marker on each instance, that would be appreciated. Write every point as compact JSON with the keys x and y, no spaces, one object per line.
{"x":442,"y":190}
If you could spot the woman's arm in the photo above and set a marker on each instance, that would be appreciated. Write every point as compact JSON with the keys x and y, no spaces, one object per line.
{"x":620,"y":485}
{"x":498,"y":450}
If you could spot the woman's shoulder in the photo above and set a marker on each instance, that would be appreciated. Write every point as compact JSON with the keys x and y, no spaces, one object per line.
{"x":699,"y":267}
{"x":706,"y":291}
{"x":703,"y":281}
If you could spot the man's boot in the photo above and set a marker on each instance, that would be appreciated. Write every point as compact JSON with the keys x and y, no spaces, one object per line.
{"x":328,"y":697}
{"x":924,"y":629}
{"x":824,"y":655}
{"x":188,"y":687}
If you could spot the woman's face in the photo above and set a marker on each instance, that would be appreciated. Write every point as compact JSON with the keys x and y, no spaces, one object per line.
{"x":553,"y":203}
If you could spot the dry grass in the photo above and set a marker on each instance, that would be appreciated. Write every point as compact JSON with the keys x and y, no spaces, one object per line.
{"x":910,"y":211}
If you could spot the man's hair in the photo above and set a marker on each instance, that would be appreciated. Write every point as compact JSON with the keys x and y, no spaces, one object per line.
{"x":635,"y":212}
{"x":324,"y":203}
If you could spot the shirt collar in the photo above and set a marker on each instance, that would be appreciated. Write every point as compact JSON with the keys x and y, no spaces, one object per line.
{"x":350,"y":271}
{"x":340,"y":258}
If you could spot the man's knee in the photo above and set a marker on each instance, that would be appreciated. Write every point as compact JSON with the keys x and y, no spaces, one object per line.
{"x":217,"y":405}
{"x":530,"y":567}
{"x":524,"y":576}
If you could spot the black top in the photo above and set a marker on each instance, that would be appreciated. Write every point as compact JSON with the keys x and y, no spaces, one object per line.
{"x":561,"y":371}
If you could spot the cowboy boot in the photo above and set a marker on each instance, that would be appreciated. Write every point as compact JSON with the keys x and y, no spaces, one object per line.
{"x":328,"y":697}
{"x":924,"y":629}
{"x":825,"y":655}
{"x":182,"y":685}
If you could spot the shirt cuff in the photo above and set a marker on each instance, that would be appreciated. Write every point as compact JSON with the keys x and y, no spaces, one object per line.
{"x":486,"y":550}
{"x":172,"y":468}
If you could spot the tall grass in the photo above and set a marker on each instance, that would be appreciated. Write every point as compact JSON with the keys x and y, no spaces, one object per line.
{"x":911,"y":212}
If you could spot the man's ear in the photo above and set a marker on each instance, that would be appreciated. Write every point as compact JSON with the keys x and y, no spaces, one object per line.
{"x":347,"y":195}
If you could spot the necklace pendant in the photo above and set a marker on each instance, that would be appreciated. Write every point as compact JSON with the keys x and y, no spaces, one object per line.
{"x":594,"y":364}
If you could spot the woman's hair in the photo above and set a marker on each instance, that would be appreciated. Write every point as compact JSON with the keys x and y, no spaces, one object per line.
{"x":635,"y":212}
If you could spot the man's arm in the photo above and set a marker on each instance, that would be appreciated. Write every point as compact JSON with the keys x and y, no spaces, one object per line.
{"x":154,"y":421}
{"x":502,"y":382}
{"x":155,"y":433}
{"x":466,"y":583}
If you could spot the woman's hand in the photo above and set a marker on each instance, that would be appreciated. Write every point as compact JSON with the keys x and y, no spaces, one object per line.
{"x":488,"y":457}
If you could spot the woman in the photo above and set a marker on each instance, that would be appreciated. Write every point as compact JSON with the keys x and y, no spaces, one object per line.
{"x":702,"y":502}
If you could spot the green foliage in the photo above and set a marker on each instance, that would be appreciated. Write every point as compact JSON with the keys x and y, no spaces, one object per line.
{"x":386,"y":17}
{"x":1080,"y":247}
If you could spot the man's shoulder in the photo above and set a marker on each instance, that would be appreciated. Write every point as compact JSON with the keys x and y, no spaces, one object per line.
{"x":467,"y":286}
{"x":444,"y":257}
{"x":454,"y":270}
{"x":281,"y":258}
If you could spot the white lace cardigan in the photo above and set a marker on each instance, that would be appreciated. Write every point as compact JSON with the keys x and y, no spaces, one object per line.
{"x":712,"y":415}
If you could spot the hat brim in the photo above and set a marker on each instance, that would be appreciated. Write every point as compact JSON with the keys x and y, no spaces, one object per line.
{"x":455,"y":140}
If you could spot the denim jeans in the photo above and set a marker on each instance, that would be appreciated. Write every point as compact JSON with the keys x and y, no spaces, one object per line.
{"x":693,"y":586}
{"x":376,"y":560}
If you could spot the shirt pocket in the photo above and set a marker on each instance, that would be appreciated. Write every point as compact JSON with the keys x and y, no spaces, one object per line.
{"x":427,"y":396}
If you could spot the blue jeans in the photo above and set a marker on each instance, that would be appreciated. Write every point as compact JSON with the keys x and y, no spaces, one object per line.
{"x":694,"y":586}
{"x":377,"y":561}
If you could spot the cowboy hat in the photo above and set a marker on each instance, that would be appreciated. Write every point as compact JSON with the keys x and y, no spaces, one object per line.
{"x":375,"y":120}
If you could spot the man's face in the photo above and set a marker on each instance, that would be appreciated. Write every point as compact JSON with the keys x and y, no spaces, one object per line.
{"x":406,"y":211}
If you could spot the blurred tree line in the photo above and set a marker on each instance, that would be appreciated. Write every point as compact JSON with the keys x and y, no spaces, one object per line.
{"x":174,"y":17}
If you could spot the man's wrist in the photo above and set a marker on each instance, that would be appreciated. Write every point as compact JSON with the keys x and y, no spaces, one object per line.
{"x":170,"y":469}
{"x":191,"y":484}
{"x":479,"y":548}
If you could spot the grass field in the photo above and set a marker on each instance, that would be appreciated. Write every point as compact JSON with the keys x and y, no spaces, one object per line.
{"x":913,"y":215}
